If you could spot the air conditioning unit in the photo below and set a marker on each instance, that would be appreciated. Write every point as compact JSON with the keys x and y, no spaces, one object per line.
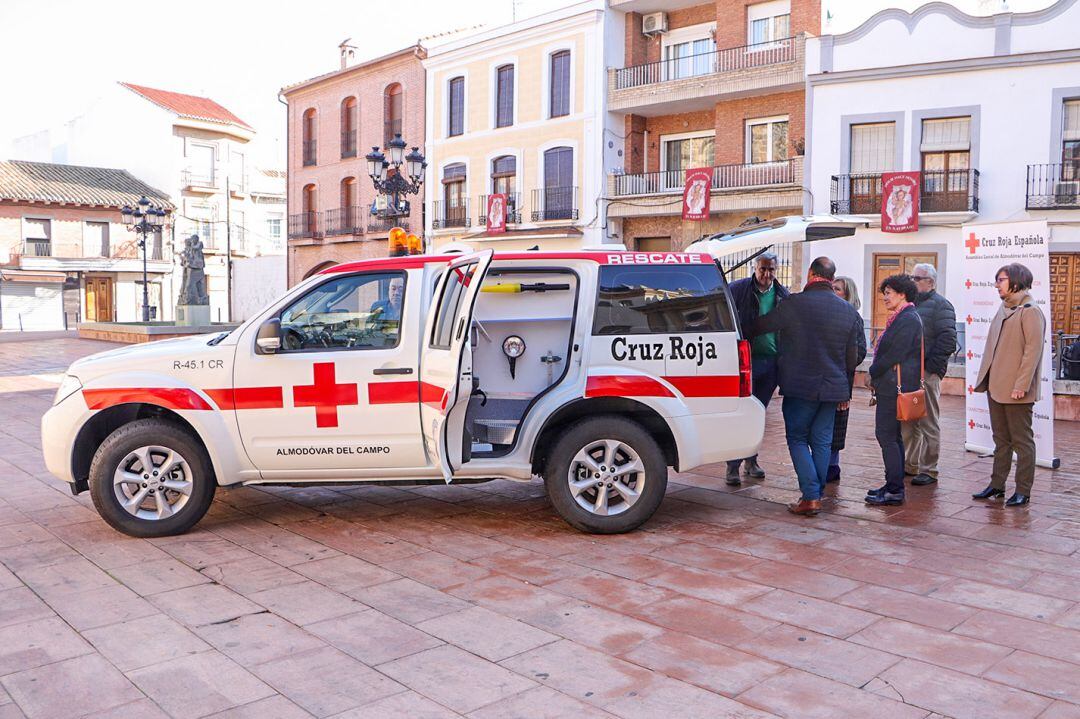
{"x":1065,"y":193}
{"x":654,"y":23}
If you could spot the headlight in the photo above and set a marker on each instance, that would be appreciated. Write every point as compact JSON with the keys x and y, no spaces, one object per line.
{"x":69,"y":386}
{"x":513,"y":346}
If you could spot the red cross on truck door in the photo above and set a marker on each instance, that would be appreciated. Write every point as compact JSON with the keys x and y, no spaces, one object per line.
{"x":348,"y":372}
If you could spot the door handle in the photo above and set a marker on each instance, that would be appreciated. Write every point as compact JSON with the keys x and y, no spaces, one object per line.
{"x":392,"y":370}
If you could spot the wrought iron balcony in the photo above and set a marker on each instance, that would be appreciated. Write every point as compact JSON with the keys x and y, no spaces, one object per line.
{"x":379,"y":224}
{"x":38,"y":248}
{"x":454,"y":215}
{"x":348,"y":143}
{"x":725,"y":177}
{"x":513,"y":209}
{"x":309,"y":148}
{"x":197,"y":178}
{"x":344,"y":221}
{"x":1053,"y":187}
{"x":304,"y":224}
{"x":707,"y":63}
{"x":555,"y":203}
{"x":940,"y":191}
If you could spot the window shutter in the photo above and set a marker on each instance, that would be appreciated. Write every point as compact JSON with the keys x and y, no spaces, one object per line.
{"x":1070,"y":127}
{"x":946,"y":134}
{"x":457,"y":106}
{"x":560,"y":83}
{"x":872,"y":147}
{"x":504,"y":102}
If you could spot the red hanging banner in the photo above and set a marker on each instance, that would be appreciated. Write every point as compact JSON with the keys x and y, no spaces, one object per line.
{"x":900,"y":201}
{"x":697,"y":195}
{"x":496,"y":213}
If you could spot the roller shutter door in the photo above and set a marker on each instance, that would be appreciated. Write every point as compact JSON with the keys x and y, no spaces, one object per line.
{"x":38,"y":306}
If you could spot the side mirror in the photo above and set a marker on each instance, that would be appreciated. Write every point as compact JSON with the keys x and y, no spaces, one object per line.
{"x":268,"y":340}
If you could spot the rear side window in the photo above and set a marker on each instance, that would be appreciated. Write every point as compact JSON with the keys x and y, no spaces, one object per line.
{"x":450,"y":303}
{"x":661,"y":299}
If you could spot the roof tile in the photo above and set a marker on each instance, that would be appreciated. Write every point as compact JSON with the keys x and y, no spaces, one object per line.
{"x":74,"y":184}
{"x":193,"y":106}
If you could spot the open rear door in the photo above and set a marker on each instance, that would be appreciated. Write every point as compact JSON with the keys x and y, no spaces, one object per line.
{"x":446,"y":378}
{"x":736,"y":248}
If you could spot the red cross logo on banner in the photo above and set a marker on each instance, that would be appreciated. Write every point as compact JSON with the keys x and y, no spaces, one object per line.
{"x":968,"y":284}
{"x":971,"y":243}
{"x":325,"y":395}
{"x":970,"y":319}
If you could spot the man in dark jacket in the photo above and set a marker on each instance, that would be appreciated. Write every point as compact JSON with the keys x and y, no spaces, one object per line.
{"x":922,"y":439}
{"x":818,"y":341}
{"x":754,"y":297}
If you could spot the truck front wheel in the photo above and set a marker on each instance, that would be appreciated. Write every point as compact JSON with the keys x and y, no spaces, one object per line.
{"x":150,"y":478}
{"x":605,"y":475}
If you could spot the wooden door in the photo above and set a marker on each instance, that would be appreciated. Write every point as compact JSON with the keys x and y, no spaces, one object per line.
{"x":99,"y":299}
{"x":1065,"y":292}
{"x":886,"y":265}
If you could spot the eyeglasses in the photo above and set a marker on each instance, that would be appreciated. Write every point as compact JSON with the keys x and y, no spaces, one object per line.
{"x":999,"y":280}
{"x":919,"y":279}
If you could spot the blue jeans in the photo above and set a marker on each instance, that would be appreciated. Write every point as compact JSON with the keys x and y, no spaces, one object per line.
{"x":808,"y":425}
{"x":765,"y":373}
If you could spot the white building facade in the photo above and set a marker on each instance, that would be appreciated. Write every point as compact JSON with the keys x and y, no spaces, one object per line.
{"x":521,"y":110}
{"x":986,"y":108}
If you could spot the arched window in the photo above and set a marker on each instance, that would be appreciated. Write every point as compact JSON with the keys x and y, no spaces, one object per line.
{"x":349,"y":117}
{"x":393,"y":108}
{"x":309,"y":137}
{"x":504,"y":96}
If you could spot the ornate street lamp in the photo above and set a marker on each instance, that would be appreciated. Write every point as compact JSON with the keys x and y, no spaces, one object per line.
{"x":402,"y":181}
{"x":144,"y":220}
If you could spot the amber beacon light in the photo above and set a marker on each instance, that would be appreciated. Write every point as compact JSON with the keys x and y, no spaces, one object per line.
{"x":398,"y":243}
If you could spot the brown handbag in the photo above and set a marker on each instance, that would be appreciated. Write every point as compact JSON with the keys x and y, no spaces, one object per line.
{"x":911,"y":406}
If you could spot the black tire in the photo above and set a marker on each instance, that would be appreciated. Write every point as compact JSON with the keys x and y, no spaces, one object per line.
{"x":580,"y":435}
{"x":158,"y":433}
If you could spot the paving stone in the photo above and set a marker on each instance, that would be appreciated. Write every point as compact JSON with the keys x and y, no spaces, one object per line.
{"x":199,"y":684}
{"x":258,"y":638}
{"x":802,"y":695}
{"x":21,"y":605}
{"x":593,"y":626}
{"x":701,"y":556}
{"x":98,"y":607}
{"x":954,"y":694}
{"x":710,"y":586}
{"x":405,"y":705}
{"x":534,"y":567}
{"x":842,"y":660}
{"x":325,"y":681}
{"x":8,"y":580}
{"x":408,"y":600}
{"x":275,"y":707}
{"x":140,"y":709}
{"x":486,"y":633}
{"x":204,"y":604}
{"x":342,"y":573}
{"x":539,"y":703}
{"x":90,"y":684}
{"x":373,"y":637}
{"x":814,"y":614}
{"x":576,"y":670}
{"x":927,"y":611}
{"x":711,"y":666}
{"x":75,"y":576}
{"x":1029,"y":635}
{"x":437,"y":570}
{"x":811,"y":582}
{"x":35,"y":643}
{"x":1050,"y":677}
{"x":251,"y":575}
{"x":1061,"y":710}
{"x":158,"y":576}
{"x":885,"y":574}
{"x":1010,"y":601}
{"x":306,"y":602}
{"x":932,"y":645}
{"x":713,"y":622}
{"x":144,"y":641}
{"x":456,"y":679}
{"x":668,"y":697}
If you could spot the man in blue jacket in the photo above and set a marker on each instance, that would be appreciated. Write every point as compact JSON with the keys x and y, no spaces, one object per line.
{"x":818,"y":346}
{"x":756,"y":296}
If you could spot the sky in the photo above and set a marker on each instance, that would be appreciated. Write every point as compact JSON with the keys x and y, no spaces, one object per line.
{"x":241,"y":52}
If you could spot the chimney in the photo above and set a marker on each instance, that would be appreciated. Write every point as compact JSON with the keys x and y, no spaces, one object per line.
{"x":348,"y":53}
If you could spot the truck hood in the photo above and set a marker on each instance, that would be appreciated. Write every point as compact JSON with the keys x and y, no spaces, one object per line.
{"x":155,"y":356}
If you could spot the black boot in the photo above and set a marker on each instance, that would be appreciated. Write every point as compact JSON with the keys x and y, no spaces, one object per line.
{"x":834,"y":474}
{"x":752,"y":469}
{"x":732,"y":477}
{"x":1017,"y":500}
{"x":921,"y":480}
{"x":989,"y":493}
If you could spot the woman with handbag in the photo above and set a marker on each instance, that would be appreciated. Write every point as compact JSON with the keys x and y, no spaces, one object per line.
{"x":896,"y":381}
{"x":1011,"y":376}
{"x":844,"y":288}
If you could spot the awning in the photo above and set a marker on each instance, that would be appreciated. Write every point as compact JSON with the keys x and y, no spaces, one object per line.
{"x":34,"y":276}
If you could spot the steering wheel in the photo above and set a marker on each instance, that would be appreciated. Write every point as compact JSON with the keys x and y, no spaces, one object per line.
{"x":293,"y":340}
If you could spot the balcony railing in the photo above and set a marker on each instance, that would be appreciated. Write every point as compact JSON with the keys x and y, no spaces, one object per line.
{"x":454,"y":215}
{"x":941,"y":191}
{"x":1053,"y":187}
{"x":197,"y":178}
{"x":513,"y":210}
{"x":309,"y":152}
{"x":725,"y":177}
{"x":555,"y":203}
{"x":344,"y":221}
{"x":707,"y":63}
{"x":304,"y":224}
{"x":38,"y":248}
{"x":378,"y":223}
{"x":348,"y":143}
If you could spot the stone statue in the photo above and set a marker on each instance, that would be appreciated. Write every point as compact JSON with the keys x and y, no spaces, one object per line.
{"x":193,"y":289}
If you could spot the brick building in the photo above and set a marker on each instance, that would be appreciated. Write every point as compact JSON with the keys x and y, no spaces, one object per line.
{"x":65,"y":255}
{"x":334,"y":120}
{"x":716,"y":85}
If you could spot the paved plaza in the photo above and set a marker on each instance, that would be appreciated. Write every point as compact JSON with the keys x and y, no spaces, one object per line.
{"x":478,"y":601}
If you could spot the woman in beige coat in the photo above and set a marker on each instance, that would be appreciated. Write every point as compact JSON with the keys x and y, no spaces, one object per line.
{"x":1010,"y":374}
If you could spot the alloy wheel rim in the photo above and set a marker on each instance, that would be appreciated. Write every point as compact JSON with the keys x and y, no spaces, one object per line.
{"x":606,"y":477}
{"x":153,"y":482}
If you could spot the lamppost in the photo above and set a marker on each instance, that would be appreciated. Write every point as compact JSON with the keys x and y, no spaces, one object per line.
{"x":395,"y":185}
{"x":144,"y":220}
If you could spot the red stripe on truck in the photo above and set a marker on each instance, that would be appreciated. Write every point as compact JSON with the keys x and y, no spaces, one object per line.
{"x":247,"y":398}
{"x":167,"y":397}
{"x":641,"y":386}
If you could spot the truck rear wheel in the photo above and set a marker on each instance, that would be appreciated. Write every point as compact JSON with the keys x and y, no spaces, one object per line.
{"x":150,"y":478}
{"x":606,"y":475}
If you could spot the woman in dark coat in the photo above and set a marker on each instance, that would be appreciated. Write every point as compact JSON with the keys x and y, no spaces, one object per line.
{"x":899,"y":345}
{"x":845,"y":289}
